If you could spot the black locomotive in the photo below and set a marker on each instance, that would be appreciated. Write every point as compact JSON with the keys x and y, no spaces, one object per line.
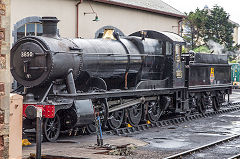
{"x":129,"y":79}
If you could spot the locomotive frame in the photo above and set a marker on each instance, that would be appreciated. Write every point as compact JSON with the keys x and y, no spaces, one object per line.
{"x":129,"y":79}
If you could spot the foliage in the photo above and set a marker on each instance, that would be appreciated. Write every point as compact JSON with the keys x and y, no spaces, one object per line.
{"x":205,"y":25}
{"x":233,"y":61}
{"x":184,"y":50}
{"x":203,"y":49}
{"x":232,"y":58}
{"x":218,"y":28}
{"x":195,"y":26}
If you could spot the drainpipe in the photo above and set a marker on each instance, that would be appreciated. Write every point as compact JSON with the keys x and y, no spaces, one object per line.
{"x":180,"y":27}
{"x":77,"y":21}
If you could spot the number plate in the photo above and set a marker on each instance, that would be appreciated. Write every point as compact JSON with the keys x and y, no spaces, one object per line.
{"x":179,"y":74}
{"x":26,"y":54}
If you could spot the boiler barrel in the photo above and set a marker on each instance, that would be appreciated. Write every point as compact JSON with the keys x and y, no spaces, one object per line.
{"x":37,"y":60}
{"x":106,"y":58}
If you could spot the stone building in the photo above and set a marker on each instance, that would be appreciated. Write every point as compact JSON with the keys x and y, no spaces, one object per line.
{"x":79,"y":18}
{"x":4,"y":76}
{"x":235,"y":32}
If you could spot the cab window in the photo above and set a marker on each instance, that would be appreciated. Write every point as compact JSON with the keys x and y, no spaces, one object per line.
{"x":177,"y":52}
{"x":168,"y":48}
{"x":158,"y":48}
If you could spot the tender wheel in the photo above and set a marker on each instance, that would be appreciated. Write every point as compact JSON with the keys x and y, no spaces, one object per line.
{"x":51,"y":128}
{"x":215,"y":104}
{"x":115,"y":119}
{"x":154,"y":111}
{"x":134,"y":114}
{"x":188,"y":112}
{"x":201,"y":106}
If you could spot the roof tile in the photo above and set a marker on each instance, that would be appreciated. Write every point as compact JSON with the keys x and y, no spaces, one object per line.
{"x":148,"y":5}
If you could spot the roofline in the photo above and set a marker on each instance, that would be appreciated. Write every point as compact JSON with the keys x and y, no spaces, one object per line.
{"x":235,"y":23}
{"x":140,"y":8}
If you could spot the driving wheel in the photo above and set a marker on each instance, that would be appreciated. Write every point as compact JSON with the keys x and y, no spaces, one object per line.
{"x":134,"y":114}
{"x":154,"y":111}
{"x":51,"y":128}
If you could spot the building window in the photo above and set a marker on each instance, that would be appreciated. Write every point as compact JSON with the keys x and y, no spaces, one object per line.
{"x":101,"y":31}
{"x":29,"y":29}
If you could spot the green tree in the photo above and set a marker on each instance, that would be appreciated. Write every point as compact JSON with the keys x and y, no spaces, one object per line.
{"x":218,"y":28}
{"x":195,"y":27}
{"x":209,"y":24}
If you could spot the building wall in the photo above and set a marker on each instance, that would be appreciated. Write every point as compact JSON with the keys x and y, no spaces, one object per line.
{"x":235,"y":35}
{"x":64,"y":10}
{"x":125,"y":19}
{"x":4,"y":77}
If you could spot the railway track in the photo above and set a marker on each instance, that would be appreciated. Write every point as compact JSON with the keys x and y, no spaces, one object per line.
{"x":235,"y":156}
{"x":226,"y":108}
{"x":209,"y":148}
{"x":230,"y":107}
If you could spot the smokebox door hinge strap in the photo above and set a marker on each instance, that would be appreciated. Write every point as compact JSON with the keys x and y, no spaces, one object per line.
{"x":25,"y":67}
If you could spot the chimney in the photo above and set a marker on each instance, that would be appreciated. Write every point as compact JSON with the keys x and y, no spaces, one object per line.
{"x":49,"y":26}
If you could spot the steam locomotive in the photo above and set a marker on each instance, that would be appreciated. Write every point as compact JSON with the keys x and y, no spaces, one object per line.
{"x":124,"y":80}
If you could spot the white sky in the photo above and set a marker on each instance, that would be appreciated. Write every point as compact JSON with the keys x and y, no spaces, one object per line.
{"x":232,"y":7}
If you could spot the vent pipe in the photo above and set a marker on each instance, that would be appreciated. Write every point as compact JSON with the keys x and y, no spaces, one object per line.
{"x":50,"y":26}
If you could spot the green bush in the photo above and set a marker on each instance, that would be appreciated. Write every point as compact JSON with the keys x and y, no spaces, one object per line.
{"x":202,"y":49}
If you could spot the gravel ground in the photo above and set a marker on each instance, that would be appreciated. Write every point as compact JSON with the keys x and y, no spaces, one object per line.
{"x":170,"y":140}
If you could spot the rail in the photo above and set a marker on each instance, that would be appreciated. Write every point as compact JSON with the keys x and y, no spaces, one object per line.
{"x":210,"y":145}
{"x":230,"y":107}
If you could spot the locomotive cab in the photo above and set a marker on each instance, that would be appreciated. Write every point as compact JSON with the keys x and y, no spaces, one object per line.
{"x":172,"y":66}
